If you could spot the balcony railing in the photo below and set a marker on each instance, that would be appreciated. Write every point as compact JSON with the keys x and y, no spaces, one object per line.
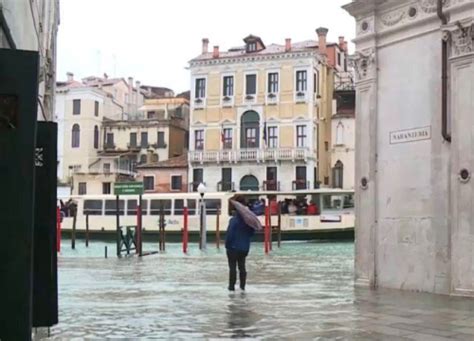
{"x":271,"y":185}
{"x":109,"y":171}
{"x":251,"y":155}
{"x":199,"y":103}
{"x":301,"y":97}
{"x":300,"y":184}
{"x":225,"y":186}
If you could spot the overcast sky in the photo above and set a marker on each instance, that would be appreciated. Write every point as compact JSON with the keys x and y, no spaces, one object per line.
{"x":153,"y":40}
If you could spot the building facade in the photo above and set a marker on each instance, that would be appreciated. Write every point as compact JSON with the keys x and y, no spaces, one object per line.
{"x":165,"y":176}
{"x":106,"y":129}
{"x":414,"y":63}
{"x":260,"y":115}
{"x":33,"y":25}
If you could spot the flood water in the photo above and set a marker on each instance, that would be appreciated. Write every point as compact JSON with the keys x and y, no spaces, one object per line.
{"x":300,"y":291}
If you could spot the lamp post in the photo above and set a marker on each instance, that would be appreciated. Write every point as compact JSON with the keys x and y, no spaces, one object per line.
{"x":202,"y":215}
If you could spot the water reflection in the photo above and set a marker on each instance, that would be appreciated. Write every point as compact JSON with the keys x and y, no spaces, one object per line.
{"x":241,"y":320}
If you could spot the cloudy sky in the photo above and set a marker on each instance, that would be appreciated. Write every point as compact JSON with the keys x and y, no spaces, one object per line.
{"x":152,"y":40}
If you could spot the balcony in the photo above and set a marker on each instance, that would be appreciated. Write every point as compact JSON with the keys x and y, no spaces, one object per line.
{"x":109,"y":146}
{"x":225,"y":186}
{"x":133,"y":147}
{"x":199,"y":103}
{"x":272,"y":99}
{"x":250,"y":99}
{"x":111,"y":170}
{"x":301,"y":97}
{"x":250,"y":155}
{"x":271,"y":185}
{"x":300,"y":184}
{"x":227,"y":101}
{"x":159,"y":145}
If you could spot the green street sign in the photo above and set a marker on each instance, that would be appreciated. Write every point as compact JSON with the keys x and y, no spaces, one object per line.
{"x":128,"y":188}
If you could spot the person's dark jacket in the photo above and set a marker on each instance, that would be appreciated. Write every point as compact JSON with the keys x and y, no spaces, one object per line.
{"x":238,"y":235}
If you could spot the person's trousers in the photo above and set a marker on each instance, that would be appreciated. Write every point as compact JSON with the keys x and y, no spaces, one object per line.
{"x":237,"y":258}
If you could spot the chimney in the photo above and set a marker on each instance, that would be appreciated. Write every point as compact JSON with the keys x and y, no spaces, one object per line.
{"x":342,"y":43}
{"x":205,"y":45}
{"x":287,"y":44}
{"x":322,"y":34}
{"x":138,"y":84}
{"x":215,"y":53}
{"x":106,"y":76}
{"x":70,"y":77}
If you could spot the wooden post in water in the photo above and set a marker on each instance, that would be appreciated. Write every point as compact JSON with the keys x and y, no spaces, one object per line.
{"x":87,"y":230}
{"x":73,"y":236}
{"x":139,"y":227}
{"x":218,"y":233}
{"x":117,"y":226}
{"x":279,"y":224}
{"x":265,"y":231}
{"x":58,"y":230}
{"x":106,"y":252}
{"x":185,"y":230}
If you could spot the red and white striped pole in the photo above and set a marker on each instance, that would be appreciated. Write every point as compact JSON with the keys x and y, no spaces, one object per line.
{"x":185,"y":230}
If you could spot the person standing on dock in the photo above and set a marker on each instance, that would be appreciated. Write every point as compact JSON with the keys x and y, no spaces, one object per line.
{"x":237,"y":241}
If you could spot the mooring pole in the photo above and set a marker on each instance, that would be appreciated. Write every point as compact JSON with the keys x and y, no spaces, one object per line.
{"x":117,"y":220}
{"x":105,"y":252}
{"x":279,"y":224}
{"x":185,"y":230}
{"x":218,"y":234}
{"x":73,"y":236}
{"x":265,"y":232}
{"x":139,"y":227}
{"x":87,"y":230}
{"x":270,"y":227}
{"x":58,"y":229}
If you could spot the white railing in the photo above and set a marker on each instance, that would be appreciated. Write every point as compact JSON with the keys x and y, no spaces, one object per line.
{"x":251,"y":155}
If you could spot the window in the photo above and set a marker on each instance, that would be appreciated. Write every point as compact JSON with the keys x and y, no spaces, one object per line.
{"x":82,"y":188}
{"x":132,"y":205}
{"x":176,"y":182}
{"x":133,"y":140}
{"x":144,"y":140}
{"x":142,"y":159}
{"x":150,"y":114}
{"x":107,"y":168}
{"x":109,"y":140}
{"x":178,"y":206}
{"x":226,"y":182}
{"x":199,"y":139}
{"x":316,"y":178}
{"x":326,"y":180}
{"x":156,"y":206}
{"x":96,"y":137}
{"x":252,"y":47}
{"x":191,"y":206}
{"x":345,"y":63}
{"x":96,"y":108}
{"x":111,"y":207}
{"x":271,"y":179}
{"x":198,"y":176}
{"x":300,"y":177}
{"x":338,"y":174}
{"x":326,"y":145}
{"x":93,"y":207}
{"x":273,"y":83}
{"x":227,"y":141}
{"x":106,"y":188}
{"x":251,"y":137}
{"x":200,"y":90}
{"x":301,"y":81}
{"x":149,"y":183}
{"x":212,"y":206}
{"x":161,"y":139}
{"x":76,"y":107}
{"x":316,"y":82}
{"x":228,"y":90}
{"x":272,"y":137}
{"x":339,"y":59}
{"x":76,"y":136}
{"x":301,"y":136}
{"x":251,"y":84}
{"x":340,"y":134}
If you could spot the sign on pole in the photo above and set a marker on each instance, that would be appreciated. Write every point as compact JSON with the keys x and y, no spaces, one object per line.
{"x":128,"y":188}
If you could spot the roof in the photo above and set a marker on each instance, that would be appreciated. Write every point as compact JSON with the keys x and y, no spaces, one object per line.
{"x":174,"y":162}
{"x":239,"y":51}
{"x":156,"y":91}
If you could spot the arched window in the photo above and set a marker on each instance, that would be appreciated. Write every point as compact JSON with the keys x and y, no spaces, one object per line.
{"x":249,"y":183}
{"x":142,"y":159}
{"x":250,"y":130}
{"x":340,"y":134}
{"x":76,"y":136}
{"x":96,"y":137}
{"x":338,"y":174}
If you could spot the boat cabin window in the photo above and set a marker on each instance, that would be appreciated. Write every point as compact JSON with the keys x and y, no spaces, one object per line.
{"x":156,"y":205}
{"x":192,"y":207}
{"x":178,"y":206}
{"x":92,"y":207}
{"x":110,"y":207}
{"x":132,"y":207}
{"x":212,"y":205}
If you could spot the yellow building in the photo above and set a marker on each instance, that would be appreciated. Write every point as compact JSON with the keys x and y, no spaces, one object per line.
{"x":260,"y":115}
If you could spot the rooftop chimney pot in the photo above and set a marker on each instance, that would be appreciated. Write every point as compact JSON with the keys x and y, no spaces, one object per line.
{"x":322,"y":34}
{"x":70,"y":77}
{"x":287,"y":44}
{"x":215,"y":53}
{"x":205,"y":45}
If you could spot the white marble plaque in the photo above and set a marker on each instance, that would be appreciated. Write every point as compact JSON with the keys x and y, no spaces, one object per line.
{"x":410,"y":135}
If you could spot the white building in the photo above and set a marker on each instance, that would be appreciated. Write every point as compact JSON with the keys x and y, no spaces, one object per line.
{"x":32,"y":25}
{"x":415,"y":91}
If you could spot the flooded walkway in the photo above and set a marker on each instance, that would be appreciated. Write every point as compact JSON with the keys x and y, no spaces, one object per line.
{"x":301,"y":291}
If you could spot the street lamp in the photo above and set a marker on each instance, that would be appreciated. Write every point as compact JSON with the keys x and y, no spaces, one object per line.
{"x":202,"y":221}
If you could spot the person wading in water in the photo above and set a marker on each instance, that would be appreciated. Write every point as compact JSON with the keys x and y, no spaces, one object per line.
{"x":237,"y":243}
